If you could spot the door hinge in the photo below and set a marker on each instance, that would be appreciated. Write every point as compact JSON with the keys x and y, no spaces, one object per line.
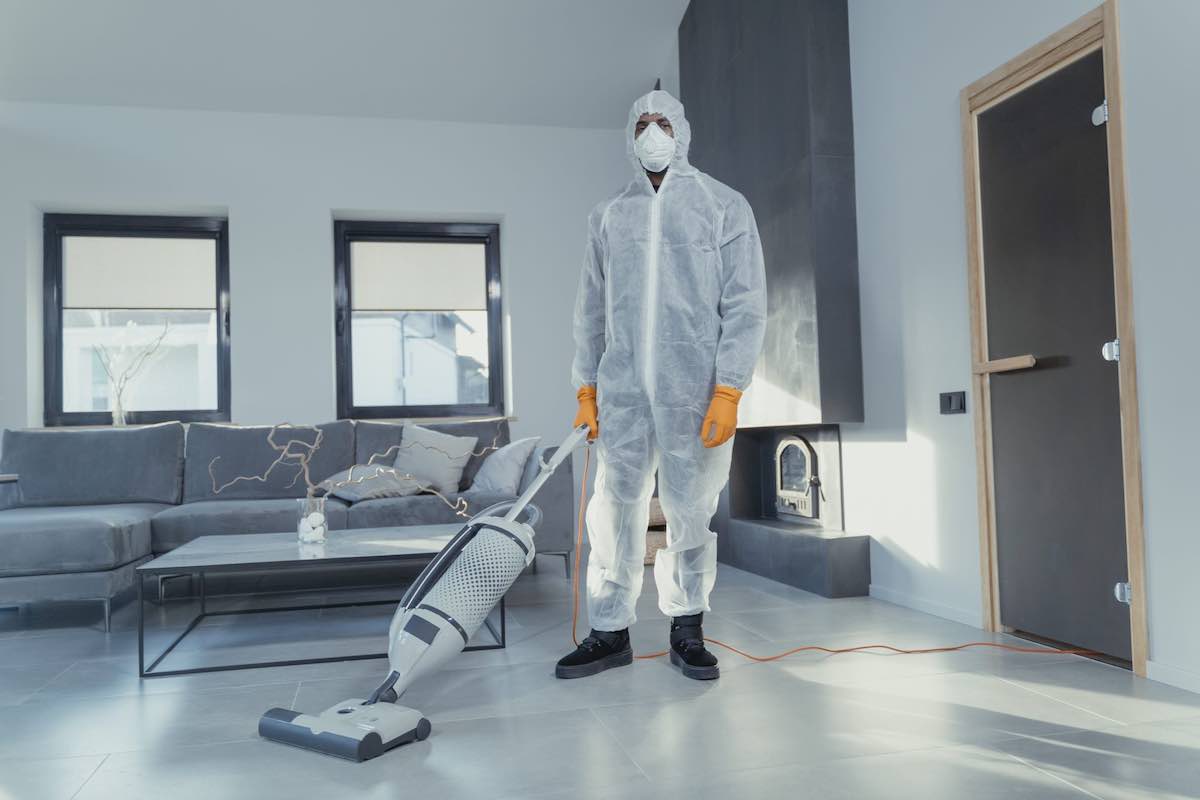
{"x":1111,"y":351}
{"x":1123,"y":592}
{"x":1100,"y":114}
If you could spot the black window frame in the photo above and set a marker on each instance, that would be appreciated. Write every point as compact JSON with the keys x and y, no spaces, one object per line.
{"x":345,"y":232}
{"x":57,"y":226}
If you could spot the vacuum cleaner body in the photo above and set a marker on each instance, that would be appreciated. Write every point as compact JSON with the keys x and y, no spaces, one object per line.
{"x":450,"y":600}
{"x":436,"y":618}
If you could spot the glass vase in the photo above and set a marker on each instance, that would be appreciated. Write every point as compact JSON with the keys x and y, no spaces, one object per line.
{"x":118,"y":409}
{"x":311,"y":523}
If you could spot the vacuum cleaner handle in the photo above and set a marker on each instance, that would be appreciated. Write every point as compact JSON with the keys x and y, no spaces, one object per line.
{"x":577,"y":436}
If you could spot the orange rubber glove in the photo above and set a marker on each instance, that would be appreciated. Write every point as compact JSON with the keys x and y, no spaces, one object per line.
{"x":588,"y":414}
{"x":721,"y":420}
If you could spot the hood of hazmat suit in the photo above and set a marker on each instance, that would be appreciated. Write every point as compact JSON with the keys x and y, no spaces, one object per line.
{"x":671,"y":303}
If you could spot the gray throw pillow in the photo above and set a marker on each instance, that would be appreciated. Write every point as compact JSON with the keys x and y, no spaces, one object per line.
{"x":501,"y":471}
{"x":369,"y":481}
{"x":435,"y":459}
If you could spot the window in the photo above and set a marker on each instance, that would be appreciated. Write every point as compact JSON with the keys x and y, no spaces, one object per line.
{"x":418,"y":319}
{"x":136,"y":315}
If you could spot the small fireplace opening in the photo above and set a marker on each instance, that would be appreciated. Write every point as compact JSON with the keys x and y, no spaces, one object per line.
{"x":797,"y":482}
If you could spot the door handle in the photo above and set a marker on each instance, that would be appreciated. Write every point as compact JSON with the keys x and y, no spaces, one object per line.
{"x":1111,"y":351}
{"x":1009,"y":364}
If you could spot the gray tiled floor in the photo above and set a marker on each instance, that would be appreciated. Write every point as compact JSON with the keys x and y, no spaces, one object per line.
{"x":78,"y":723}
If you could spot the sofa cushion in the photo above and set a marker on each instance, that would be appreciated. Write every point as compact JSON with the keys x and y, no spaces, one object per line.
{"x":503,"y":470}
{"x":377,"y":438}
{"x":434,"y":459}
{"x":421,"y":509}
{"x":244,"y":451}
{"x":181,"y":524}
{"x":52,"y":540}
{"x":95,"y":466}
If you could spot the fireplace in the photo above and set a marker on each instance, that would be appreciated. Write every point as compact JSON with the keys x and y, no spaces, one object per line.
{"x":797,"y":482}
{"x":790,"y":475}
{"x":782,"y":514}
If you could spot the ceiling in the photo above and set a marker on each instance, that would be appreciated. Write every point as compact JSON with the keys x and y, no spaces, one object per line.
{"x":574,"y":63}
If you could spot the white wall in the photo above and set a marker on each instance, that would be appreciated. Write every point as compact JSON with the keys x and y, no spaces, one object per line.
{"x":1159,"y":65}
{"x":909,"y":472}
{"x":282,"y":180}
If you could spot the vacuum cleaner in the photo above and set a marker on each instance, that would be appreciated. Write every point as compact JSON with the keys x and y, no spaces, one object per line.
{"x":438,"y":615}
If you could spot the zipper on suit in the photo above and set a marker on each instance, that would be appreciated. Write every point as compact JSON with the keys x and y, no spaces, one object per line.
{"x":651,"y":293}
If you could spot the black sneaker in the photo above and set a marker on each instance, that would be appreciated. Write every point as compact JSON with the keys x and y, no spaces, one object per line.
{"x":601,"y":650}
{"x":688,"y":651}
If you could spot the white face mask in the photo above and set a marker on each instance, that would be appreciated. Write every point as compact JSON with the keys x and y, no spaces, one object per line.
{"x":654,"y":148}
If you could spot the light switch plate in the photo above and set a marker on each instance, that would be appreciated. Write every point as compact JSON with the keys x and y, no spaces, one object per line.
{"x":953,"y":402}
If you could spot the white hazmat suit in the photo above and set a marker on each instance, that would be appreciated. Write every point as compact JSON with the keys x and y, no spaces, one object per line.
{"x":671,"y":302}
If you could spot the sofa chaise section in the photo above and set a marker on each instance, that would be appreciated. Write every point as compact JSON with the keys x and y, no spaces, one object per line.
{"x":53,"y":540}
{"x":79,"y":519}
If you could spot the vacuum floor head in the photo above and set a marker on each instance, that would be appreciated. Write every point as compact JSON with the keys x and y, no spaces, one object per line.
{"x":350,"y":730}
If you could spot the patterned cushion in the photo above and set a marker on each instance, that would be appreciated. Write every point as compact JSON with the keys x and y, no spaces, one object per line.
{"x":370,"y":482}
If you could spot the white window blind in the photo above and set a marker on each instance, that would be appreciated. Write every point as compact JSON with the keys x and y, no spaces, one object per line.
{"x":418,"y":276}
{"x":131,"y":273}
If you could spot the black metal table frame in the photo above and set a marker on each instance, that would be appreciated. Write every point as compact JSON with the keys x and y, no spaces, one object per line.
{"x":501,"y":635}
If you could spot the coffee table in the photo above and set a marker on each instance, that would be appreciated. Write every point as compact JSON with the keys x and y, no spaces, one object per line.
{"x":232,"y":554}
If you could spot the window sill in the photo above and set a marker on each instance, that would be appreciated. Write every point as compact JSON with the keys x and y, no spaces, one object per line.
{"x":104,"y":418}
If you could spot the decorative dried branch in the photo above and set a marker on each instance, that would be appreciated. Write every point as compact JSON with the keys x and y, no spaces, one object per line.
{"x":301,"y":458}
{"x":490,"y":448}
{"x":121,"y":372}
{"x":451,"y":456}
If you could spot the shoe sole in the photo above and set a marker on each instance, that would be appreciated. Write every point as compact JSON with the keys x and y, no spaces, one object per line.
{"x":621,"y":659}
{"x":695,"y":673}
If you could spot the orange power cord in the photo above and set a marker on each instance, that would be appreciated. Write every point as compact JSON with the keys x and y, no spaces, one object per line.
{"x":812,"y":647}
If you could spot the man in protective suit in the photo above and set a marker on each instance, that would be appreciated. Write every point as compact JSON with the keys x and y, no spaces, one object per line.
{"x":669,"y":322}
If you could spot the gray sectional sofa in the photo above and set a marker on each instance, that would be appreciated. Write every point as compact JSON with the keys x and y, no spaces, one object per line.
{"x":90,"y":504}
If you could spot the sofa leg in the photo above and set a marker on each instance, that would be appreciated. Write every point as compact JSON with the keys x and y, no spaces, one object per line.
{"x":107,"y":614}
{"x":567,"y":563}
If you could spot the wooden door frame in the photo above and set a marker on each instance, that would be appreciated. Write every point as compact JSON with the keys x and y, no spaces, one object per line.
{"x":1096,"y":30}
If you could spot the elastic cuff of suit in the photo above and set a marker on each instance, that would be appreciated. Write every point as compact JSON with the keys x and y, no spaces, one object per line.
{"x":728,"y":392}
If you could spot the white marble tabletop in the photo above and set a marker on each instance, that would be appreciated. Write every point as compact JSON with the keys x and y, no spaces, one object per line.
{"x":410,"y":541}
